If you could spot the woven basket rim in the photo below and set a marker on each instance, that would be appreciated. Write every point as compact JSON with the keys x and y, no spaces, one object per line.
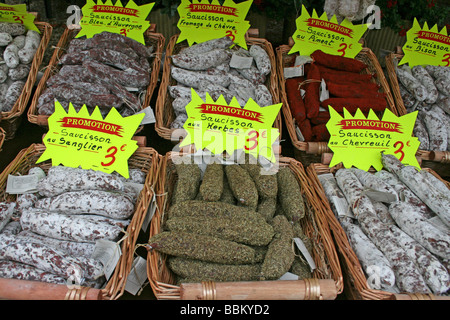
{"x":349,"y":259}
{"x":163,"y":129}
{"x":53,"y":68}
{"x":12,"y":117}
{"x":148,"y":160}
{"x":322,"y":147}
{"x":2,"y":137}
{"x":160,"y":277}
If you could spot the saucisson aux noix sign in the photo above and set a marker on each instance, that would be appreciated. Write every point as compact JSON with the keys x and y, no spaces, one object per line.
{"x":17,"y":14}
{"x":129,"y":21}
{"x":78,"y":139}
{"x":426,"y":46}
{"x":359,"y":141}
{"x":201,"y":21}
{"x":221,"y":127}
{"x":318,"y":33}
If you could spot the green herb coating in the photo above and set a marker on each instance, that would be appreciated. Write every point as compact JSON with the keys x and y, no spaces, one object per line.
{"x":266,"y":184}
{"x":242,"y":185}
{"x":211,"y":187}
{"x":250,"y":231}
{"x":280,"y":254}
{"x":200,"y":247}
{"x":188,"y":183}
{"x":289,"y":195}
{"x":204,"y":271}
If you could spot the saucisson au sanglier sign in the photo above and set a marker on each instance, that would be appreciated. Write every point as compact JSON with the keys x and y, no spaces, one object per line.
{"x":359,"y":140}
{"x":78,"y":139}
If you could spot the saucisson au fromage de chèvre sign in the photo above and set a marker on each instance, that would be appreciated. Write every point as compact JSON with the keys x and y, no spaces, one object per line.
{"x":318,"y":33}
{"x":425,"y":46}
{"x":359,"y":140}
{"x":129,"y":20}
{"x":18,"y":14}
{"x":79,"y":139}
{"x":203,"y":20}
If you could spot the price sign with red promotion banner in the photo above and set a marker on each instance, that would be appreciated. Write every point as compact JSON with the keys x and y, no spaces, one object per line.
{"x":81,"y":139}
{"x":129,"y":21}
{"x":221,"y":127}
{"x":425,"y":46}
{"x":202,"y":20}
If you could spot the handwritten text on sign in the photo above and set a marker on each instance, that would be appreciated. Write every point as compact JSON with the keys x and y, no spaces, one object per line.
{"x":318,"y":33}
{"x":218,"y":126}
{"x":201,"y":21}
{"x":358,"y":141}
{"x":426,"y":46}
{"x":17,"y":14}
{"x":129,"y":21}
{"x":79,"y":139}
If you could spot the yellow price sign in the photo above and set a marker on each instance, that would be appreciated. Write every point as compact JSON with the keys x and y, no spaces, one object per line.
{"x":129,"y":21}
{"x":78,"y":139}
{"x":358,"y":141}
{"x":426,"y":46}
{"x":18,"y":14}
{"x":221,"y":127}
{"x":318,"y":33}
{"x":201,"y":21}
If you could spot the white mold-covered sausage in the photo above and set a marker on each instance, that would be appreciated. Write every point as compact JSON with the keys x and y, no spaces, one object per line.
{"x":424,"y":232}
{"x":109,"y":204}
{"x":84,"y":228}
{"x":434,"y":273}
{"x":62,"y":179}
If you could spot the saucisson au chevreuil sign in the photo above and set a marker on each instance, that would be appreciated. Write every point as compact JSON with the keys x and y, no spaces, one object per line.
{"x":17,"y":14}
{"x":425,"y":46}
{"x":202,"y":20}
{"x":318,"y":33}
{"x":221,"y":127}
{"x":129,"y":20}
{"x":79,"y":139}
{"x":359,"y":140}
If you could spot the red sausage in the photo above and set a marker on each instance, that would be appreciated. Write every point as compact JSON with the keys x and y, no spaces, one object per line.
{"x":338,"y":62}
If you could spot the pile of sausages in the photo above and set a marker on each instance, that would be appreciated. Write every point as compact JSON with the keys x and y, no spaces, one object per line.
{"x":401,"y":239}
{"x":50,"y":235}
{"x":206,"y":68}
{"x":18,"y":47}
{"x":427,"y":90}
{"x":107,"y":70}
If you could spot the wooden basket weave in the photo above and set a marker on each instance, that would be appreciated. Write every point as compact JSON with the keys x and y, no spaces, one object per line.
{"x":356,"y":286}
{"x":162,"y":280}
{"x":165,"y":114}
{"x":2,"y":137}
{"x":11,"y":120}
{"x":438,"y":161}
{"x":310,"y":152}
{"x":156,"y":40}
{"x":145,"y":159}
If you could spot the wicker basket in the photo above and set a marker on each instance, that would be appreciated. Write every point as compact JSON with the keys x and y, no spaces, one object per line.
{"x":438,"y":161}
{"x":10,"y":121}
{"x":356,"y":286}
{"x":146,"y":159}
{"x":310,"y":152}
{"x":2,"y":137}
{"x":164,"y":111}
{"x":151,"y":38}
{"x":162,"y":280}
